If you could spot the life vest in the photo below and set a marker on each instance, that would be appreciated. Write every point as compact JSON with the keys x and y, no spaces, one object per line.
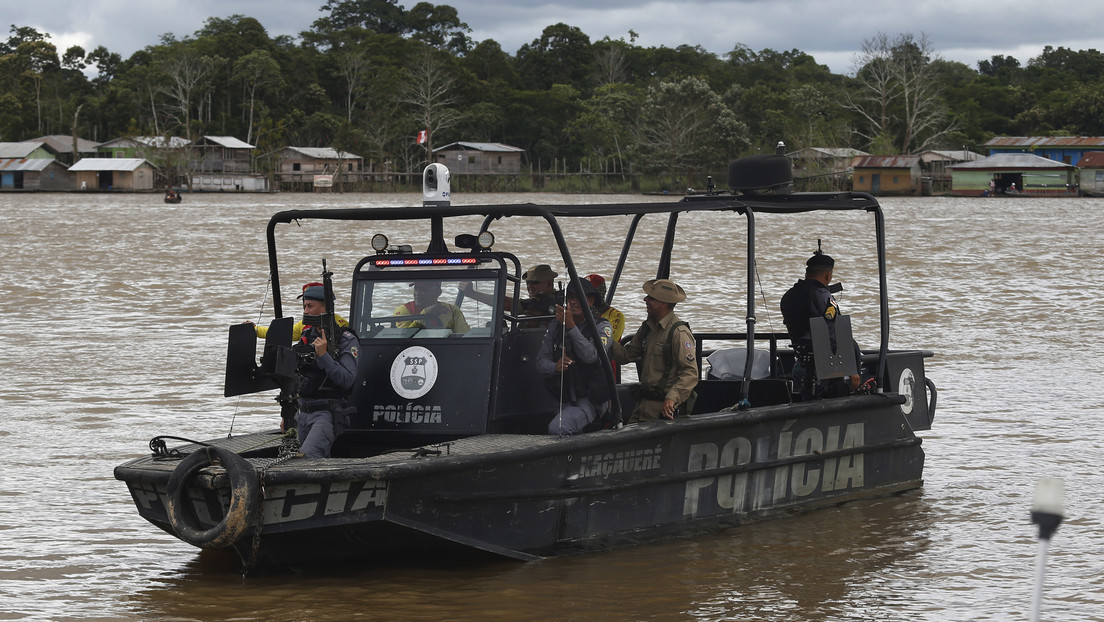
{"x":807,"y":299}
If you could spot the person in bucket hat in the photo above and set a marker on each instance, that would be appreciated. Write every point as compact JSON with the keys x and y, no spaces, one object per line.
{"x":539,"y":284}
{"x":667,"y":381}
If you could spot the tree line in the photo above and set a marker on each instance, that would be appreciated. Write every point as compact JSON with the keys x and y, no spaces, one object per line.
{"x":368,"y":75}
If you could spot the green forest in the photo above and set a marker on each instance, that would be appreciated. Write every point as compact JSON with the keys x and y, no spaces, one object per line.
{"x":368,"y":75}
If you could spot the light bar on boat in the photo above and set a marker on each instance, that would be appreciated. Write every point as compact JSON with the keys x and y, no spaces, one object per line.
{"x":440,"y":261}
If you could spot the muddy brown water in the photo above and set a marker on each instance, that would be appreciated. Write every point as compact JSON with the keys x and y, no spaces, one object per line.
{"x":116,"y":310}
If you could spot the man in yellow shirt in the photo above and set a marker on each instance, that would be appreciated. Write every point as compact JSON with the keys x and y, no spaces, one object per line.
{"x":436,"y":314}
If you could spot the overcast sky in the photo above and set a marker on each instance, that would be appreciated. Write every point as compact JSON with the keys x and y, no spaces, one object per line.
{"x":831,"y":31}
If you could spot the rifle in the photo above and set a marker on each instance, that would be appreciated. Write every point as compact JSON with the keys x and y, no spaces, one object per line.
{"x":329,"y":319}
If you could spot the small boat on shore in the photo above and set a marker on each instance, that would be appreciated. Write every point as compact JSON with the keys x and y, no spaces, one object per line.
{"x":454,"y":453}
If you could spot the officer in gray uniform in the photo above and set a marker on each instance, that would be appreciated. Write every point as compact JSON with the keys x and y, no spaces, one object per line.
{"x":324,"y":381}
{"x":569,"y":357}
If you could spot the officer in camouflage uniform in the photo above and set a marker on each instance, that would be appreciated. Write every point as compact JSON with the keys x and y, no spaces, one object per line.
{"x":664,"y":351}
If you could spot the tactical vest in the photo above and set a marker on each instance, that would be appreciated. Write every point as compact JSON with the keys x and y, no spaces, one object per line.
{"x":659,"y":391}
{"x":584,"y":379}
{"x":313,"y":382}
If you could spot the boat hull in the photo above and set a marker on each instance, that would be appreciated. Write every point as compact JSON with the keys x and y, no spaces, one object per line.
{"x":526,"y":496}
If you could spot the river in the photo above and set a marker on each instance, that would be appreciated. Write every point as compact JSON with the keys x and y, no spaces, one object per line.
{"x":117,"y":308}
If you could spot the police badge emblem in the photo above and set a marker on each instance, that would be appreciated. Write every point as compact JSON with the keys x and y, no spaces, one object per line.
{"x":414,"y":372}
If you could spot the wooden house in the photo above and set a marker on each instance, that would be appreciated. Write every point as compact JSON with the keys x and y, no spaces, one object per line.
{"x":881,"y":175}
{"x":1092,"y":174}
{"x":464,"y":158}
{"x":1013,"y":174}
{"x":223,"y":164}
{"x":303,"y":163}
{"x":34,"y":174}
{"x":221,"y":154}
{"x":114,"y":174}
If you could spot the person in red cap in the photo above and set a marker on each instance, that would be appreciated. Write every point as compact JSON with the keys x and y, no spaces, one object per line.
{"x":609,"y":314}
{"x":297,"y":330}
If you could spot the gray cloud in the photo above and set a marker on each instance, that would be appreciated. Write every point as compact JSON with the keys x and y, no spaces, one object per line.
{"x":832,"y":31}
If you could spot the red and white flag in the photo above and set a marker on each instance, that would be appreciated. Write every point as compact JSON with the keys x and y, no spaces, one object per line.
{"x":423,"y":136}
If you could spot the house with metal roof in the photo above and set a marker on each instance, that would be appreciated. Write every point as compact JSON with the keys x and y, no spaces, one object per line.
{"x":34,"y":174}
{"x":27,"y":150}
{"x":1013,"y":174}
{"x":1092,"y":174}
{"x":306,"y":168}
{"x":221,"y":154}
{"x":167,"y":154}
{"x":223,"y":164}
{"x":62,"y":146}
{"x":318,"y":161}
{"x":934,"y":163}
{"x":1065,"y":149}
{"x":881,"y":175}
{"x":467,"y":158}
{"x":114,"y":174}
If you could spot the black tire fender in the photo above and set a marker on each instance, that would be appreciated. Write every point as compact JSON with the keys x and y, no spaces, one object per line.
{"x":244,"y":491}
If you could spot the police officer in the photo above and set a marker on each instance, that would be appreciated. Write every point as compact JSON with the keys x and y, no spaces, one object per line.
{"x":665,"y":355}
{"x":324,"y":381}
{"x":810,"y":298}
{"x":297,"y":329}
{"x":541,"y":287}
{"x":539,"y":284}
{"x":569,"y":355}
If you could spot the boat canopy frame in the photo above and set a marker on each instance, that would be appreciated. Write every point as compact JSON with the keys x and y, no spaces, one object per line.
{"x":746,"y":205}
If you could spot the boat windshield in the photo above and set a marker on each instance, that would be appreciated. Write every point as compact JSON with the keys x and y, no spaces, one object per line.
{"x":425,"y":305}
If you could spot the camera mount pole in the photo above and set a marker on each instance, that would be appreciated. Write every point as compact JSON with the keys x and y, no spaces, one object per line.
{"x":1046,"y":512}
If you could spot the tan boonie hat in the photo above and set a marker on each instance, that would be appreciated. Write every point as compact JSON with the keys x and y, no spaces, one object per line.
{"x":542,"y":272}
{"x":664,"y":290}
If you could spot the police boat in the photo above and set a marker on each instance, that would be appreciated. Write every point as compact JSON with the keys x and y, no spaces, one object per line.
{"x":445,"y":444}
